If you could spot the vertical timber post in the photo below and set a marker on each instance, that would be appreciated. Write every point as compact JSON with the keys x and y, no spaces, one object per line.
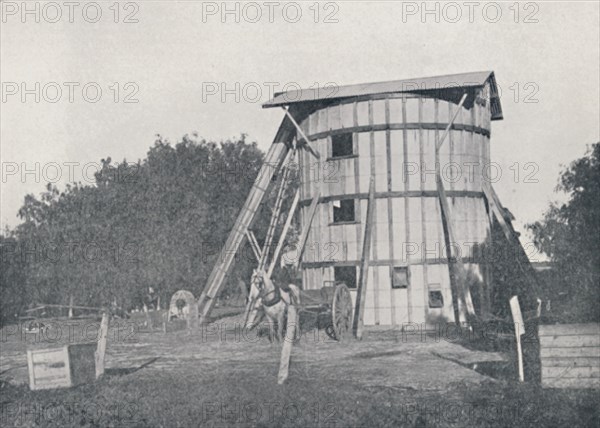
{"x":288,"y":341}
{"x":359,"y":310}
{"x":101,"y":346}
{"x":515,"y":310}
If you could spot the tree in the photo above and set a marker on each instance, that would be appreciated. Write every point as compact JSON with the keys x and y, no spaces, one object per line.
{"x":13,"y":293}
{"x":569,"y":233}
{"x":159,"y":222}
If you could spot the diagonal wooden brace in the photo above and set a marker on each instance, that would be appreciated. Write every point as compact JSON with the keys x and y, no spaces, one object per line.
{"x":276,"y":211}
{"x":284,"y":232}
{"x":254,"y":244}
{"x":455,"y":265}
{"x":307,"y":145}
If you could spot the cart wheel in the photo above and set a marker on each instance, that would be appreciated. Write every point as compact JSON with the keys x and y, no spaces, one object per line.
{"x":341,"y":313}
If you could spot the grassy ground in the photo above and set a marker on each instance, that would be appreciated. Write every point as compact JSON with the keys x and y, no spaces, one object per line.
{"x":216,"y":377}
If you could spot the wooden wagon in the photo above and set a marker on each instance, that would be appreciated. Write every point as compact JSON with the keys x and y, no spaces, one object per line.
{"x":332,"y":304}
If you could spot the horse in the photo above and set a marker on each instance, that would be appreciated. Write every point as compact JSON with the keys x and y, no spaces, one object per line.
{"x":272,"y":300}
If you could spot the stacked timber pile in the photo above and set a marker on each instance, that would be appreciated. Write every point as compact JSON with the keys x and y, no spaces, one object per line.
{"x":570,"y":355}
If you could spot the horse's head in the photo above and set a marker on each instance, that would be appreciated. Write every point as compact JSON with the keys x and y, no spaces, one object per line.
{"x":259,"y":284}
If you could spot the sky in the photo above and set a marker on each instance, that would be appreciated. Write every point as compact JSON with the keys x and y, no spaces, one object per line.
{"x":165,"y":67}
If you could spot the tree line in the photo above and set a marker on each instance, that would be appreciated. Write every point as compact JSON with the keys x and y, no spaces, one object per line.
{"x":156,"y":223}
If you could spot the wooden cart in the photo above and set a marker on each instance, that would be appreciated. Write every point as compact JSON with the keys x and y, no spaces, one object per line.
{"x":334,"y":305}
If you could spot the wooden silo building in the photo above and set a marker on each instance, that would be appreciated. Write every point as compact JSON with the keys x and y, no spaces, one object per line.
{"x":389,"y":130}
{"x":374,"y":145}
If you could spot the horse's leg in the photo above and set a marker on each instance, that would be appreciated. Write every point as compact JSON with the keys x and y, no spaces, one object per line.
{"x":272,"y":335}
{"x":280,"y":322}
{"x":276,"y":329}
{"x":292,"y":298}
{"x":269,"y":318}
{"x":296,"y":321}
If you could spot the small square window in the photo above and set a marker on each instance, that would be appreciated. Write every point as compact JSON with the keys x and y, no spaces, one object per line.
{"x":436,"y":299}
{"x":400,"y":277}
{"x":345,"y":274}
{"x":341,"y":145}
{"x":343,"y":211}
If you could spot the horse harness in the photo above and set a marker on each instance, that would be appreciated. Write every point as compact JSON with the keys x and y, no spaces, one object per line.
{"x":274,"y":300}
{"x":276,"y":296}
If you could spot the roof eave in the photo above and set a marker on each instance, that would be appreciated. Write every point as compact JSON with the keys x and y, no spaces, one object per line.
{"x":354,"y":91}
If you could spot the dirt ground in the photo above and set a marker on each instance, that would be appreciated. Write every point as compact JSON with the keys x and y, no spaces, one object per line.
{"x":219,"y":376}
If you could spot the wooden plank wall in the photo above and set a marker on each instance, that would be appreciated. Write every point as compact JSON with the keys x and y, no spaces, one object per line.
{"x":395,"y":135}
{"x":570,"y":355}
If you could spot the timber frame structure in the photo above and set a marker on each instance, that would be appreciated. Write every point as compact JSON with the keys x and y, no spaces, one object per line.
{"x":453,"y":108}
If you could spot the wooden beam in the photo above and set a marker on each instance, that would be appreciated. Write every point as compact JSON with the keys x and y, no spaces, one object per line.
{"x":455,"y":266}
{"x":284,"y":232}
{"x":288,"y":341}
{"x":273,"y":159}
{"x":308,"y":222}
{"x":439,"y":143}
{"x":359,"y":308}
{"x":254,"y":244}
{"x":101,"y":346}
{"x":310,"y":150}
{"x":315,"y":200}
{"x":64,"y":306}
{"x":520,"y":256}
{"x":493,"y":201}
{"x":276,"y":211}
{"x":304,"y":137}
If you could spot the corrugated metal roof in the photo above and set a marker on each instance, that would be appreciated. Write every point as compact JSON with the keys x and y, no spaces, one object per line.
{"x":447,"y":84}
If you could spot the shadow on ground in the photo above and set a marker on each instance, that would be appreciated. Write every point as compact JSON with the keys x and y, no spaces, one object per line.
{"x":118,"y":371}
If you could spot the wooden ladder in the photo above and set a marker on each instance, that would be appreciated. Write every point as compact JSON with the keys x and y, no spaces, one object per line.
{"x":276,"y":154}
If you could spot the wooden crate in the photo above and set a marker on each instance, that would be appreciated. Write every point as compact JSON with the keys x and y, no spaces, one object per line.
{"x":49,"y":368}
{"x":69,"y":365}
{"x":570,"y":355}
{"x":61,"y":367}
